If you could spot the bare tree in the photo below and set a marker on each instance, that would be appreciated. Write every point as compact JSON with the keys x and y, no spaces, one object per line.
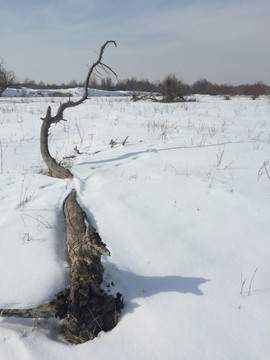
{"x":84,"y":308}
{"x":173,"y":89}
{"x":200,"y":87}
{"x":7,"y":77}
{"x":170,"y":90}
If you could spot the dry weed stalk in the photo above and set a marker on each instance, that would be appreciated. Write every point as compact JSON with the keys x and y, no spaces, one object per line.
{"x":251,"y":281}
{"x":263,"y":169}
{"x":243,"y":281}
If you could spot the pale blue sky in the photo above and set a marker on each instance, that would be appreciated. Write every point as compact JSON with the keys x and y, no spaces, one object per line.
{"x":54,"y":40}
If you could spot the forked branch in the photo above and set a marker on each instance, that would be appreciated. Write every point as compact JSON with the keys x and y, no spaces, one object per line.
{"x":56,"y":170}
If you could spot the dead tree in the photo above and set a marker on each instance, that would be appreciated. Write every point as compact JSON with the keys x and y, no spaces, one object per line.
{"x":7,"y":77}
{"x":56,"y":169}
{"x":169,"y":90}
{"x":84,"y":308}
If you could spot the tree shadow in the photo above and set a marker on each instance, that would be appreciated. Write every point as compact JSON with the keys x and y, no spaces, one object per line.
{"x":135,"y":155}
{"x":51,"y":328}
{"x":130,"y":285}
{"x":133,"y":286}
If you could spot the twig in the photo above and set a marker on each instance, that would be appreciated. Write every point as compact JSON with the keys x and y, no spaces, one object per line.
{"x":219,"y":158}
{"x":226,"y":167}
{"x":40,"y":220}
{"x":125,"y":140}
{"x":249,"y":289}
{"x":242,"y":283}
{"x":260,"y":171}
{"x":265,"y":167}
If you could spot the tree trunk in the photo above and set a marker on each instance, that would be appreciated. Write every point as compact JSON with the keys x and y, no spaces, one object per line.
{"x":84,"y":308}
{"x":55,"y":169}
{"x":90,"y":309}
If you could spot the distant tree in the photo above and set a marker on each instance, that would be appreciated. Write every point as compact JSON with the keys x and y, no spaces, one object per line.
{"x":73,"y":84}
{"x":173,"y":89}
{"x":41,"y":85}
{"x":30,"y":83}
{"x":93,"y":83}
{"x":132,"y":84}
{"x":106,"y":84}
{"x":212,"y":89}
{"x":200,"y":87}
{"x":225,"y":89}
{"x":256,"y":89}
{"x":7,"y":77}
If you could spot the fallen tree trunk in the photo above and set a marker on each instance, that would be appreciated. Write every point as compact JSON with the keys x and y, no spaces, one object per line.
{"x":90,"y":310}
{"x":84,"y":308}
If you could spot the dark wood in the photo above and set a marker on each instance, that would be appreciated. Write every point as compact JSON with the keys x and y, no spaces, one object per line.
{"x":90,"y":309}
{"x":84,"y":308}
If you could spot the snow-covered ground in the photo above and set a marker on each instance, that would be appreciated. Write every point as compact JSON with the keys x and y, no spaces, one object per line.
{"x":23,"y":92}
{"x":183,"y":207}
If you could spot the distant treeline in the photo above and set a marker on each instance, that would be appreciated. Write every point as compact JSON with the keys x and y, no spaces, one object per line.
{"x":201,"y":86}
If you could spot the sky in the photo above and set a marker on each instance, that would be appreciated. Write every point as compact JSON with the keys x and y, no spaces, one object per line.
{"x":56,"y":40}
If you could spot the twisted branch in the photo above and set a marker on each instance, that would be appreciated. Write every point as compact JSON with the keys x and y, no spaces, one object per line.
{"x":56,"y":170}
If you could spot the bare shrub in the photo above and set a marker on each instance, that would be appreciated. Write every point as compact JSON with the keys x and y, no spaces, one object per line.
{"x":7,"y":77}
{"x":173,"y":89}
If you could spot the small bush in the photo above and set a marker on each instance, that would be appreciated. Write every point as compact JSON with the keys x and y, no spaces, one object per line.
{"x":173,"y":89}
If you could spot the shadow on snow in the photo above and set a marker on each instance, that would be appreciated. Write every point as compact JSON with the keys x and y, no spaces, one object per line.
{"x":134,"y":286}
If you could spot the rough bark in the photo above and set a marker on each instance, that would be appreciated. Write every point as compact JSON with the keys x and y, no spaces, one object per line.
{"x":55,"y":169}
{"x":84,"y":308}
{"x":90,"y":309}
{"x":45,"y":311}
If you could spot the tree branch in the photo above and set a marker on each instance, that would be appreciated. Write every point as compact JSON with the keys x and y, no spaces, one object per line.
{"x":45,"y":311}
{"x":56,"y":169}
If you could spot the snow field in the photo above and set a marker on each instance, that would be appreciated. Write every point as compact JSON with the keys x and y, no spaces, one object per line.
{"x":183,"y":207}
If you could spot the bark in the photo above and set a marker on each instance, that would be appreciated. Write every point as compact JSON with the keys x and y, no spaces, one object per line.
{"x":55,"y":169}
{"x":90,"y":310}
{"x":45,"y":311}
{"x":84,"y":308}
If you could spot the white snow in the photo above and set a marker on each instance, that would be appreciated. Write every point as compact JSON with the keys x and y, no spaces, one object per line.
{"x":183,"y":207}
{"x":12,"y":92}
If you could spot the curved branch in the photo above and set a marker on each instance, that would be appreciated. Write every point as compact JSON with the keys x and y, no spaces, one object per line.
{"x":56,"y":169}
{"x":64,"y":106}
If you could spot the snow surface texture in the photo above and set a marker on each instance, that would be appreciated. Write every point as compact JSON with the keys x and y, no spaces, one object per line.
{"x":183,"y":207}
